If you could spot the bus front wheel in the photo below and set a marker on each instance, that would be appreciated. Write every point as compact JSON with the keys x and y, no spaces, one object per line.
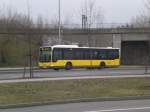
{"x":68,"y":66}
{"x":102,"y":65}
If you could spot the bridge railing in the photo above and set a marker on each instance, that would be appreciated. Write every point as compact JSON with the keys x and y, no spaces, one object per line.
{"x":98,"y":25}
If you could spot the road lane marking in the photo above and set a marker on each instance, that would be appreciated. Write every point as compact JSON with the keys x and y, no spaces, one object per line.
{"x":114,"y":110}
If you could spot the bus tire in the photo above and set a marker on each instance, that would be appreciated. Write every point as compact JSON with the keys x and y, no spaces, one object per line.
{"x":102,"y":65}
{"x":56,"y":69}
{"x":68,"y":66}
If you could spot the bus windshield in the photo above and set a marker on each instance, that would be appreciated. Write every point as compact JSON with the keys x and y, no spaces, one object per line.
{"x":45,"y":54}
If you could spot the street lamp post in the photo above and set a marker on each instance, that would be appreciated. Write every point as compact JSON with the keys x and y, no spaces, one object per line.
{"x":59,"y":23}
{"x":29,"y":42}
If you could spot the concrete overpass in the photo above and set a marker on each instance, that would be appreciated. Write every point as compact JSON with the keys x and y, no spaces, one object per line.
{"x":54,"y":31}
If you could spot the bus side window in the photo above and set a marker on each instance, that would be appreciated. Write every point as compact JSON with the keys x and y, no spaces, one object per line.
{"x":87,"y":54}
{"x":113,"y":54}
{"x":57,"y":54}
{"x":95,"y":54}
{"x":79,"y":54}
{"x":68,"y":54}
{"x":102,"y":54}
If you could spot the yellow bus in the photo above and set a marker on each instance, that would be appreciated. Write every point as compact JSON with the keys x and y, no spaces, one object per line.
{"x":72,"y":56}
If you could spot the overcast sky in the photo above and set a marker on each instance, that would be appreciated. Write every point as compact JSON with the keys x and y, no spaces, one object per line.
{"x":116,"y":11}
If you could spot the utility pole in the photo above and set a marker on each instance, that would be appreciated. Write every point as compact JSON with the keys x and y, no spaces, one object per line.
{"x":148,"y":59}
{"x":59,"y":23}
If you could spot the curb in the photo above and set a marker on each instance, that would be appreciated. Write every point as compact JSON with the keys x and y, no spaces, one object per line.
{"x":23,"y":105}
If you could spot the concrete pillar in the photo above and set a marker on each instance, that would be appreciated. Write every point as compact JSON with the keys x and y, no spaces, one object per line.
{"x":117,"y":40}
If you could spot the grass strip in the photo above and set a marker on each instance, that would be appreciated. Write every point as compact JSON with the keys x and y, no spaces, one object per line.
{"x":72,"y":89}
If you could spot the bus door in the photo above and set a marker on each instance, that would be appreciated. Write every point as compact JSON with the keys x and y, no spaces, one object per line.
{"x":81,"y":57}
{"x":94,"y":58}
{"x":87,"y":57}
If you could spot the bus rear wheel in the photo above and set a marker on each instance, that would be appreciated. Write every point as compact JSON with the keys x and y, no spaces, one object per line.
{"x":68,"y":66}
{"x":56,"y":69}
{"x":102,"y":65}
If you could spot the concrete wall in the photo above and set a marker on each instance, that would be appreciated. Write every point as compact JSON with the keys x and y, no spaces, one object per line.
{"x":90,"y":40}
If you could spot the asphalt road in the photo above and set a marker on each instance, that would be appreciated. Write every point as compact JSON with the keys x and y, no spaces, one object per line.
{"x":107,"y":106}
{"x":71,"y":78}
{"x":45,"y":73}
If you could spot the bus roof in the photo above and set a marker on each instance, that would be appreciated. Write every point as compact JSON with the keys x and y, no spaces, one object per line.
{"x":76,"y":46}
{"x":98,"y":47}
{"x":62,"y":46}
{"x":65,"y":46}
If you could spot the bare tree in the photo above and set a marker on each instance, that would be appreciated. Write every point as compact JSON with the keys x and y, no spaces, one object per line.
{"x":143,"y":19}
{"x":93,"y":18}
{"x":93,"y":13}
{"x":13,"y":48}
